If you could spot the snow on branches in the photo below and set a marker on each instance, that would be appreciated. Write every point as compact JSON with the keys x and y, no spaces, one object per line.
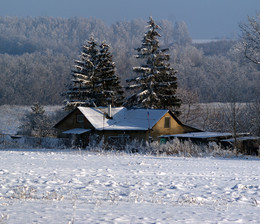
{"x":156,"y":85}
{"x":251,"y":38}
{"x":94,"y":82}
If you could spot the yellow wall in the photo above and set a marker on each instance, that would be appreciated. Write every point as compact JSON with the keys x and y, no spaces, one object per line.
{"x":175,"y":128}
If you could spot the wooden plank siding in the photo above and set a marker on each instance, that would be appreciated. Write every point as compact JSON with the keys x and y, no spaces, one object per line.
{"x":175,"y":127}
{"x":70,"y":122}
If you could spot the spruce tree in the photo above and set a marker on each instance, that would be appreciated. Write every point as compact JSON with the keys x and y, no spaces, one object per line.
{"x":107,"y":84}
{"x":94,"y":82}
{"x":156,"y":83}
{"x":80,"y":92}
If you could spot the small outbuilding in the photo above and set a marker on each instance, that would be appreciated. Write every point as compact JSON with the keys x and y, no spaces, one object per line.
{"x":246,"y":144}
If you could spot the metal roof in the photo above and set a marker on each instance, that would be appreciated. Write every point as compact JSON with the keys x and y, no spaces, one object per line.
{"x":122,"y":118}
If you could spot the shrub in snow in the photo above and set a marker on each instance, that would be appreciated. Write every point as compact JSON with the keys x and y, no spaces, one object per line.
{"x":189,"y":149}
{"x":3,"y":218}
{"x":175,"y":147}
{"x":137,"y":147}
{"x":28,"y":192}
{"x":53,"y":196}
{"x":95,"y":144}
{"x":29,"y":142}
{"x":24,"y":192}
{"x":134,"y":146}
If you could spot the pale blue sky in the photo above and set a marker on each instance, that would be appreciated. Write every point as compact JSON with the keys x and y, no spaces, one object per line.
{"x":205,"y":18}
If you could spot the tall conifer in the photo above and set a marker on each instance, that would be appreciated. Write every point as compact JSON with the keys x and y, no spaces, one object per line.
{"x":94,"y":82}
{"x":156,"y":85}
{"x":107,"y":84}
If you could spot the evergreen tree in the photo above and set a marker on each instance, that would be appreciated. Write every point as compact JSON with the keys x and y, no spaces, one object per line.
{"x":94,"y":81}
{"x":157,"y":84}
{"x":81,"y":91}
{"x":107,"y":84}
{"x":36,"y":123}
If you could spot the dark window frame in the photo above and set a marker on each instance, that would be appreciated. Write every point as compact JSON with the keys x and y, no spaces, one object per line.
{"x":167,"y":122}
{"x":80,"y":118}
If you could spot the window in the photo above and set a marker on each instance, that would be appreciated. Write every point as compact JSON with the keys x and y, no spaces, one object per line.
{"x":80,"y":118}
{"x":167,"y":122}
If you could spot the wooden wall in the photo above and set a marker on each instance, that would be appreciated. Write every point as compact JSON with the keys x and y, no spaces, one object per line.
{"x":70,"y":122}
{"x":175,"y":127}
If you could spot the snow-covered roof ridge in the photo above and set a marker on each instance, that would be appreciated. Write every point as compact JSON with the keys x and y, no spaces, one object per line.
{"x":122,"y":118}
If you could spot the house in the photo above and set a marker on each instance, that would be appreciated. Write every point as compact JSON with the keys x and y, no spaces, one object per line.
{"x":119,"y":124}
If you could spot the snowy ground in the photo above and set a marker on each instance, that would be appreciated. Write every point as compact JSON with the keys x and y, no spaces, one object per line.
{"x":84,"y":187}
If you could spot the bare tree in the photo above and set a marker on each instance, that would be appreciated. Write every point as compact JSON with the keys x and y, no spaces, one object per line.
{"x":190,"y":108}
{"x":251,"y":38}
{"x":254,"y":117}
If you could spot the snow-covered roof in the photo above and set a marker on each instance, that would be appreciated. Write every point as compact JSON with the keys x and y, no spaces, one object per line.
{"x":199,"y":135}
{"x":77,"y":131}
{"x":122,"y":118}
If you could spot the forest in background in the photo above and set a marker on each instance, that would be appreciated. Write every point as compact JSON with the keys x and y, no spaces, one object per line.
{"x":37,"y":55}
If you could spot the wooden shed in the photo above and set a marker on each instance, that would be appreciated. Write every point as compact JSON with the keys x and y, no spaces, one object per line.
{"x":246,"y":144}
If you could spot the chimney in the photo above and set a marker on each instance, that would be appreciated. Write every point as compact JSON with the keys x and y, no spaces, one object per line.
{"x":109,"y":111}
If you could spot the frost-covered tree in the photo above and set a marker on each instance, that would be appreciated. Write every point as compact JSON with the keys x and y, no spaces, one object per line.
{"x":94,"y":81}
{"x":181,"y":34}
{"x":106,"y":84}
{"x":156,"y":83}
{"x":36,"y":122}
{"x":251,"y":38}
{"x":81,"y":90}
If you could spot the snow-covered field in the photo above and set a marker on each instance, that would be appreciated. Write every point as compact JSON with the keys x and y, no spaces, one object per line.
{"x":86,"y":187}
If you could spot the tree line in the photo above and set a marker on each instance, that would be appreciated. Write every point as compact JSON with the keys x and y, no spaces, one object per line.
{"x":36,"y":59}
